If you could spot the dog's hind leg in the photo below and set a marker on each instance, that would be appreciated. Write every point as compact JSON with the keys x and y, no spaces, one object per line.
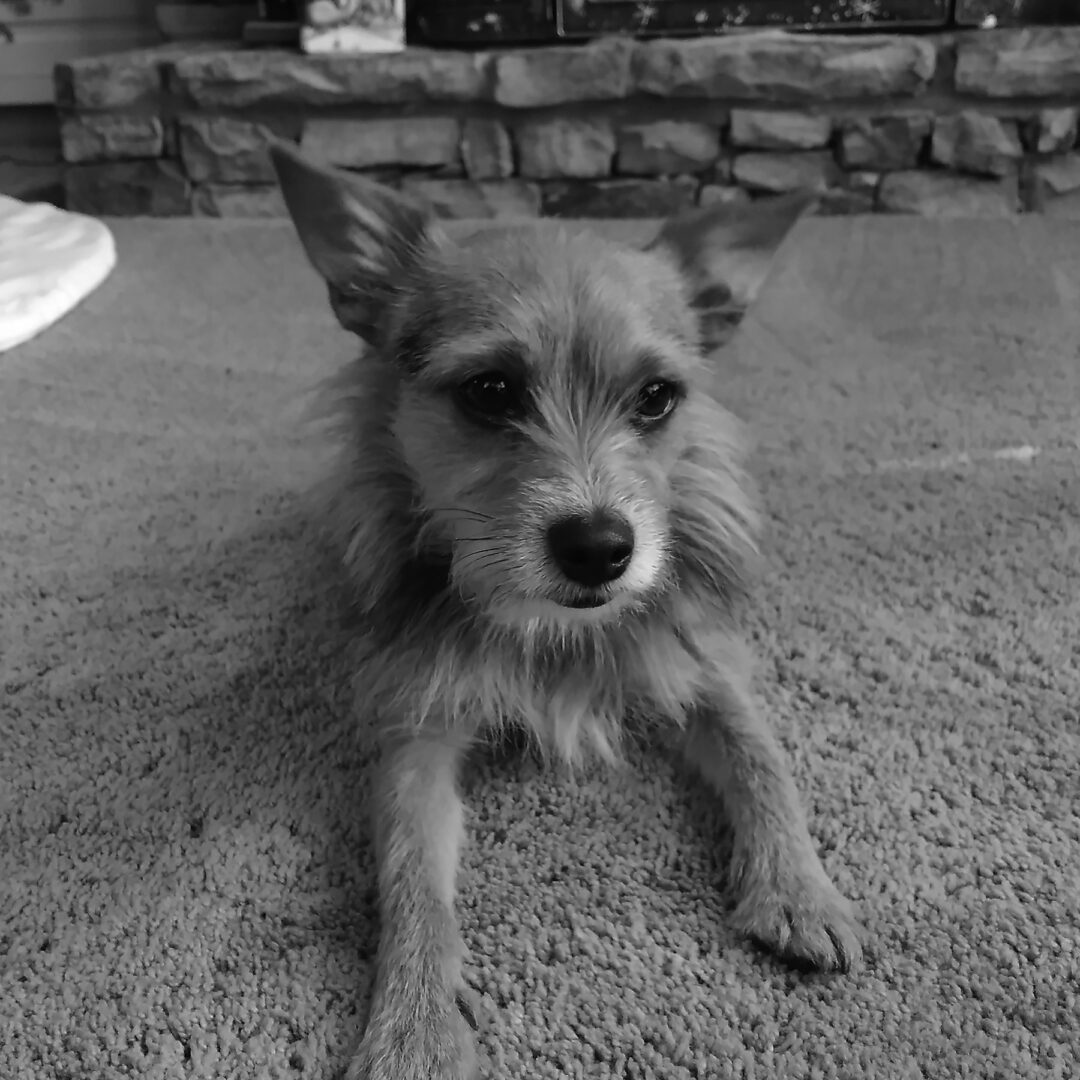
{"x":784,"y":899}
{"x":416,"y":1030}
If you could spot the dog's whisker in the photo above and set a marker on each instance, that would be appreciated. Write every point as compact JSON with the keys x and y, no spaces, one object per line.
{"x":469,"y":555}
{"x":485,"y":566}
{"x":490,"y":544}
{"x":462,"y":511}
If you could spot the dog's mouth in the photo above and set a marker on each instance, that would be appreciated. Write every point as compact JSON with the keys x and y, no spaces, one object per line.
{"x":583,"y":602}
{"x":564,"y":609}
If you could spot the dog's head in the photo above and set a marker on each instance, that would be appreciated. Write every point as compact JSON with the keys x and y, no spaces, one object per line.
{"x":542,"y":394}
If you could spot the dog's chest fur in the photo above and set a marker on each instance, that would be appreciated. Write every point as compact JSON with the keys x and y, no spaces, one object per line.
{"x":575,"y":696}
{"x":572,"y":693}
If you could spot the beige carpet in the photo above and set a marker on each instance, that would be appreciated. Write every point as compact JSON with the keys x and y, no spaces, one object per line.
{"x":185,"y":885}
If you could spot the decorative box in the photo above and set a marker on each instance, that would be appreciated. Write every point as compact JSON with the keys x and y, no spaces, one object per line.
{"x":353,"y":26}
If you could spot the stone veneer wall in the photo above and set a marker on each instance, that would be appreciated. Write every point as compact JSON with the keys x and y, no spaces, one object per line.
{"x":966,"y":123}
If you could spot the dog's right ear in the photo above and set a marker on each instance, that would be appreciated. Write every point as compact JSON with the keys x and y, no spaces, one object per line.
{"x":361,"y":236}
{"x":725,"y":251}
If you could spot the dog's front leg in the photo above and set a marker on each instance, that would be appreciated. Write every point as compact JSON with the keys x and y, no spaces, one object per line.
{"x":415,"y":1029}
{"x":784,"y":898}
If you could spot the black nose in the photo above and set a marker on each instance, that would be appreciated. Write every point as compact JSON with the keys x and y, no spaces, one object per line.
{"x":592,"y":550}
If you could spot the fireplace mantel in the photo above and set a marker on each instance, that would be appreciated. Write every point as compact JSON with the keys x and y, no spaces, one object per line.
{"x":960,"y":123}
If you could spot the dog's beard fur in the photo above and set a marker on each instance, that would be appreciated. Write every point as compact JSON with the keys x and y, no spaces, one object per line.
{"x":443,"y":522}
{"x":469,"y":612}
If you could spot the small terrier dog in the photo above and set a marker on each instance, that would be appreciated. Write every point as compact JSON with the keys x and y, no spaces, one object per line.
{"x":541,"y":507}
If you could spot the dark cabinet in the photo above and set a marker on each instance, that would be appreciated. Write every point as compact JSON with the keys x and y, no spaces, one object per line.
{"x":494,"y":21}
{"x":1017,"y":12}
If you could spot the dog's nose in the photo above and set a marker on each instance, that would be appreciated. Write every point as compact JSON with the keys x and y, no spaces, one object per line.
{"x":592,"y":550}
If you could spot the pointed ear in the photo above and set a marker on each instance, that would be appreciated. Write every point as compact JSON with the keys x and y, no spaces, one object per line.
{"x":725,"y":251}
{"x":362,"y":237}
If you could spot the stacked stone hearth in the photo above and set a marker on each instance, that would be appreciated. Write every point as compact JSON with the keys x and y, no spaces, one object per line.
{"x":976,"y":123}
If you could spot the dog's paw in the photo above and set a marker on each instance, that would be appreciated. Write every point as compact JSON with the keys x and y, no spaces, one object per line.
{"x":798,"y":914}
{"x":398,"y":1047}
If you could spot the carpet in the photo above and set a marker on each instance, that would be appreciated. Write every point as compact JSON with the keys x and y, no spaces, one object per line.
{"x":185,"y":879}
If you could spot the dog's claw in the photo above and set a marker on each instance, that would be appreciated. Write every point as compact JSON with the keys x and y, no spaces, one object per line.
{"x":843,"y":951}
{"x":471,"y":1008}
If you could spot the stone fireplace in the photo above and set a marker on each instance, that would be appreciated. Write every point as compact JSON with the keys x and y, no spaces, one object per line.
{"x":959,"y":123}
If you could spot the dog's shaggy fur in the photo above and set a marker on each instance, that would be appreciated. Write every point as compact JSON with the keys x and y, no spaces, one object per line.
{"x":527,"y":377}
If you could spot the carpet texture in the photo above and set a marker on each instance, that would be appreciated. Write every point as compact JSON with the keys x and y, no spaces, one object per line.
{"x":185,"y":880}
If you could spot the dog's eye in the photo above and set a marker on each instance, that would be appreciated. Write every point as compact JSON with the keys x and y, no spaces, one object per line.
{"x":489,"y":397}
{"x":655,"y":401}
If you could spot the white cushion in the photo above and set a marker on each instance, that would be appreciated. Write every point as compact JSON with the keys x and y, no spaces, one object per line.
{"x":50,"y":260}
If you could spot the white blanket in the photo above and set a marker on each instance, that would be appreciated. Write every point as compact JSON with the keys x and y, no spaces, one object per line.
{"x":50,"y":260}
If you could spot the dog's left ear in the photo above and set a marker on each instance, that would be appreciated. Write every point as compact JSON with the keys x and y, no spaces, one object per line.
{"x":725,"y":251}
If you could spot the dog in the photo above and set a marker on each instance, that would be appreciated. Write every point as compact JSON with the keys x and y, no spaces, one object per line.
{"x":542,"y":508}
